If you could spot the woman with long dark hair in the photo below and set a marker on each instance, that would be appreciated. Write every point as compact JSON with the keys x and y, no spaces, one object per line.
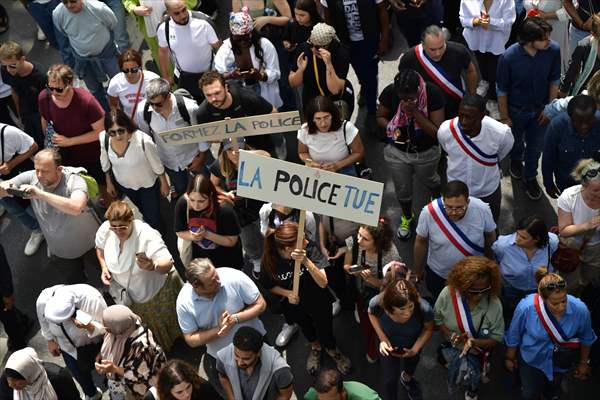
{"x":311,"y":307}
{"x":178,"y":380}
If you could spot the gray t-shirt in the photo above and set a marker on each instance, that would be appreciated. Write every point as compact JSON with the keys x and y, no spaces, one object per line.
{"x":281,"y":379}
{"x":67,"y":236}
{"x":88,"y":30}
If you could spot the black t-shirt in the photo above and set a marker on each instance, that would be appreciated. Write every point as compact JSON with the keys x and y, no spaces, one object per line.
{"x":420,"y":141}
{"x":226,"y":223}
{"x":456,"y":59}
{"x":245,"y":104}
{"x":310,"y":293}
{"x":27,"y":87}
{"x":340,"y":58}
{"x":246,"y":209}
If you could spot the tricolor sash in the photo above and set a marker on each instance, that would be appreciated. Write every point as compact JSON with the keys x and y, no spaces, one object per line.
{"x":437,"y":73}
{"x":452,"y":231}
{"x":552,"y":326}
{"x":470,"y":148}
{"x":462,"y":313}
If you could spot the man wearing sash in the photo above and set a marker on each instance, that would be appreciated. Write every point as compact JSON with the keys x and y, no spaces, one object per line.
{"x":527,"y":80}
{"x":451,"y":228}
{"x":443,"y":63}
{"x":475,"y":145}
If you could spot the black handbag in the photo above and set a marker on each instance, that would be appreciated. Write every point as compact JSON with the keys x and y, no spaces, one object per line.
{"x":565,"y":357}
{"x":362,"y":170}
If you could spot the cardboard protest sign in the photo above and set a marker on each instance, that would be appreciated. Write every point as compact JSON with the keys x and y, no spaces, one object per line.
{"x":232,"y":128}
{"x":305,"y":188}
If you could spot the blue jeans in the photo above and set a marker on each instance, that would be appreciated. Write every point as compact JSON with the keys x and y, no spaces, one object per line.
{"x":84,"y":378}
{"x":148,"y":202}
{"x":391,"y":368}
{"x":364,"y":60}
{"x":23,"y":213}
{"x":529,"y":139}
{"x":179,"y":180}
{"x":120,"y":31}
{"x":575,"y":35}
{"x":534,"y":382}
{"x":42,"y":13}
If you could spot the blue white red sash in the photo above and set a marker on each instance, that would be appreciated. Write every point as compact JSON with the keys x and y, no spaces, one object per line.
{"x":552,"y":326}
{"x":452,"y":231}
{"x":470,"y":148}
{"x":438,"y":74}
{"x":462,"y":313}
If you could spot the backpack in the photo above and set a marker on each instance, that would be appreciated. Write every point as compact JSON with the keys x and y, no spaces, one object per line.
{"x":196,"y":15}
{"x":183,"y":111}
{"x":92,"y":185}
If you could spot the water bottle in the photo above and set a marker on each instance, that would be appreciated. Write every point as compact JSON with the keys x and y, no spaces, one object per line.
{"x":49,"y":134}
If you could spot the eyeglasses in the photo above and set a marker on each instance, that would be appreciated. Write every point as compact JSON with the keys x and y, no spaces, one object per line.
{"x":556,"y":285}
{"x":455,"y":210}
{"x":157,"y":104}
{"x":116,"y":228}
{"x":592,"y":173}
{"x":115,"y":132}
{"x":133,"y":70}
{"x":479,"y":291}
{"x":55,"y":89}
{"x":11,"y":66}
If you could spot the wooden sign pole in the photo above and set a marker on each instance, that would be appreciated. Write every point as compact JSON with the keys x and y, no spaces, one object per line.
{"x":299,"y":243}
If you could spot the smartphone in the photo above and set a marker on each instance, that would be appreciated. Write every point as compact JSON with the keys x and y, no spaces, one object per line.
{"x":83,"y":317}
{"x":17,"y":193}
{"x":358,"y":268}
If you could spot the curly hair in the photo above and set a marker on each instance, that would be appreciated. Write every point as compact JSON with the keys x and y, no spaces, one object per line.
{"x":382,"y":234}
{"x":469,"y":269}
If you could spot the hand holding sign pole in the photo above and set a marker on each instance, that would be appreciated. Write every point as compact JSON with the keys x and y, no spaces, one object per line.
{"x":300,"y":243}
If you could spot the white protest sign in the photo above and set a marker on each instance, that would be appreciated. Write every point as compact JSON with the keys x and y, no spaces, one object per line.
{"x":236,"y":127}
{"x":305,"y":188}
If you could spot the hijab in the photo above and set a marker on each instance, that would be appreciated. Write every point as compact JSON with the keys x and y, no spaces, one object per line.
{"x":122,"y":323}
{"x":29,"y":366}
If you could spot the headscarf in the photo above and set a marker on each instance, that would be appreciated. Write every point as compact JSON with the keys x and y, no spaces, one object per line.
{"x":240,"y":23}
{"x":61,"y":307}
{"x":29,"y":366}
{"x":122,"y":323}
{"x":401,"y":119}
{"x":322,"y":35}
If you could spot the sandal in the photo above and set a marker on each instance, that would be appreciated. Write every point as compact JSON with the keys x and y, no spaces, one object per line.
{"x":3,"y":20}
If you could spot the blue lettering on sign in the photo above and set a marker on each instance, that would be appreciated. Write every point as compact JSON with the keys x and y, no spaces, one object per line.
{"x":238,"y":126}
{"x":255,"y":177}
{"x":370,"y":202}
{"x":357,"y":197}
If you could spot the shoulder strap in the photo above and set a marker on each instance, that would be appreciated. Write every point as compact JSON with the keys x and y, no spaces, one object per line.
{"x":379,"y":262}
{"x":167,"y":20}
{"x":354,"y":249}
{"x":183,"y":111}
{"x":62,"y":328}
{"x":331,"y":227}
{"x":321,"y":92}
{"x":2,"y":142}
{"x":147,"y":114}
{"x":106,"y":144}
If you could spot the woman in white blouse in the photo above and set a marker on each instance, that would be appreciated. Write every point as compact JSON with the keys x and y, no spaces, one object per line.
{"x":127,"y":89}
{"x":330,"y":143}
{"x":132,"y":166}
{"x":487,"y":25}
{"x":138,"y":268}
{"x":554,"y":13}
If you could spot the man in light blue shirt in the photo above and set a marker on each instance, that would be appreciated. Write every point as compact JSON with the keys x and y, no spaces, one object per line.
{"x":213,"y":305}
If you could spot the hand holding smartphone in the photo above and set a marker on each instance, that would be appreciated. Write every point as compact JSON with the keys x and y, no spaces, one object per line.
{"x":17,"y":193}
{"x":82,"y":317}
{"x":357,"y":268}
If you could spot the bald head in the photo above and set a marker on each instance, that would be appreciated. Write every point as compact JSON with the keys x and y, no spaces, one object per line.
{"x":178,"y":11}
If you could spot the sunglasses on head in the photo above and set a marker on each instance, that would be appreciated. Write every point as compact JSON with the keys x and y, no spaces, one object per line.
{"x":556,"y":285}
{"x":592,"y":173}
{"x":115,"y":132}
{"x":480,"y":291}
{"x":55,"y":89}
{"x":133,"y":70}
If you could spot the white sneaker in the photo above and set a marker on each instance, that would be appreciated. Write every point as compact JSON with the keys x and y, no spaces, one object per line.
{"x":40,"y":35}
{"x":33,"y":244}
{"x":336,"y":307}
{"x":482,"y":88}
{"x":2,"y":210}
{"x":470,"y":396}
{"x":287,"y":332}
{"x":492,"y":107}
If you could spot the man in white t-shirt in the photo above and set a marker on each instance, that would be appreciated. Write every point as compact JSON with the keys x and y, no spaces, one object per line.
{"x":451,"y":228}
{"x":16,"y":148}
{"x":475,"y":145}
{"x":190,"y":44}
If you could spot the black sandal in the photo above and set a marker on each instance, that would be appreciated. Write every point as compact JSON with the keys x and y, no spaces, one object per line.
{"x":3,"y":20}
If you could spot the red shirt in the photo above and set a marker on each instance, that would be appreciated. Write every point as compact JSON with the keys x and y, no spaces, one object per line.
{"x":74,"y":120}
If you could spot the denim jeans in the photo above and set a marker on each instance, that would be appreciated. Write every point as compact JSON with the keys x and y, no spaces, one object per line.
{"x":23,"y":213}
{"x":391,"y":368}
{"x":534,"y":382}
{"x":147,"y":200}
{"x":120,"y":31}
{"x":529,"y":139}
{"x":84,"y":378}
{"x":364,"y":60}
{"x":42,"y":13}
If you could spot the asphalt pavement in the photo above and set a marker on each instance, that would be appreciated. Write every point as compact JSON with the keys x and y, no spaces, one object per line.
{"x":32,"y":274}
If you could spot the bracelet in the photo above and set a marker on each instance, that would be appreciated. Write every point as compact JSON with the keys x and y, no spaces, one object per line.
{"x":236,"y":318}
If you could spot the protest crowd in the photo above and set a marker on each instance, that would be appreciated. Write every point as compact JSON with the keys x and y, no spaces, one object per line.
{"x":169,"y":170}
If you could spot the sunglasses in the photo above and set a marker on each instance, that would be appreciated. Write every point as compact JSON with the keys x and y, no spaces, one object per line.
{"x":11,"y":66}
{"x":55,"y":89}
{"x":479,"y":291}
{"x":116,"y":228}
{"x":592,"y":173}
{"x":556,"y":285}
{"x":116,"y":132}
{"x":133,"y":70}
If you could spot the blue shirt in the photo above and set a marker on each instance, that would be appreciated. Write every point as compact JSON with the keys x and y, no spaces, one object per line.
{"x":564,"y":147}
{"x":528,"y":334}
{"x":525,"y":79}
{"x":517,"y":270}
{"x":196,"y":313}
